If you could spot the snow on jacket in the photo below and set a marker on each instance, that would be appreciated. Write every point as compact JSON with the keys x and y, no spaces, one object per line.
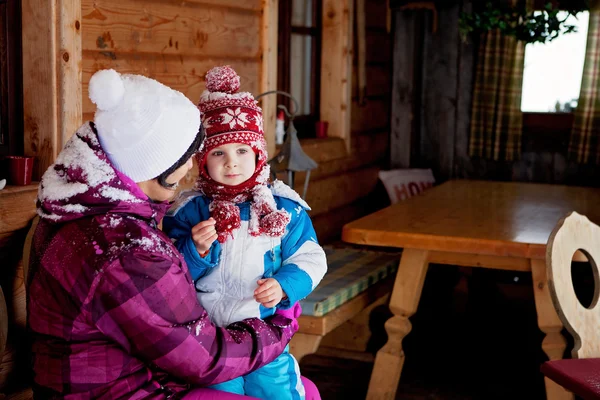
{"x":111,"y":305}
{"x":226,"y":277}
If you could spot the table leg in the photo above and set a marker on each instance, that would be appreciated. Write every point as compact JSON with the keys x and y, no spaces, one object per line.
{"x":403,"y":304}
{"x":554,"y":343}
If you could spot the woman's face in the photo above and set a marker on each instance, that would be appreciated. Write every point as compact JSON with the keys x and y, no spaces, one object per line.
{"x":158,"y":193}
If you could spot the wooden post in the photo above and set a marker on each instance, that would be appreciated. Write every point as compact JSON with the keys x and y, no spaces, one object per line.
{"x":52,"y":65}
{"x":361,"y":31}
{"x":69,"y":106}
{"x":336,"y":67}
{"x":554,"y":343}
{"x":403,"y":90}
{"x":268,"y":78}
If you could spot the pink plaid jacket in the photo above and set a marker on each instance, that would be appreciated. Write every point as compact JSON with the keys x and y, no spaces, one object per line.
{"x":111,"y":305}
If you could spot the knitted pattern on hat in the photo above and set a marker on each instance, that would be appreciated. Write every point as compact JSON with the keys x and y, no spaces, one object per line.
{"x":230,"y":116}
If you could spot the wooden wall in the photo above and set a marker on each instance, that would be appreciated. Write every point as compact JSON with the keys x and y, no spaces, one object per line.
{"x":433,"y":85}
{"x":345,"y":185}
{"x":176,"y":43}
{"x":172,"y":42}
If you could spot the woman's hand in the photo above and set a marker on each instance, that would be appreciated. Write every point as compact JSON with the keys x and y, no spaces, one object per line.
{"x":204,"y":234}
{"x":269,"y":292}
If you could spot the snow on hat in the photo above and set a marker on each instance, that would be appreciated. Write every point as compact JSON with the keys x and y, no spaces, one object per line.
{"x":230,"y":116}
{"x":144,"y":127}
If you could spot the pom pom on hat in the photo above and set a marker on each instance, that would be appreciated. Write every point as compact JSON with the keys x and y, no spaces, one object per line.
{"x":222,"y":79}
{"x":106,"y":89}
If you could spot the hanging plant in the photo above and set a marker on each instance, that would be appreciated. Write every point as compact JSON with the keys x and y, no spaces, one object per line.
{"x":539,"y":26}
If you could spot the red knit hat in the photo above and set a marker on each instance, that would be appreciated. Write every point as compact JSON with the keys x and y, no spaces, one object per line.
{"x":230,"y":116}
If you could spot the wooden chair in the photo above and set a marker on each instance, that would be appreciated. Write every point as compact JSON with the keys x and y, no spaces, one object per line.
{"x":581,"y":374}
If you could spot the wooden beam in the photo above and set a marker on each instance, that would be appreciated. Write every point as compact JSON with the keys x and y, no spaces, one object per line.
{"x":336,"y":67}
{"x":268,"y":77}
{"x":70,"y":66}
{"x":403,"y":90}
{"x":39,"y":82}
{"x":51,"y":77}
{"x":17,"y":207}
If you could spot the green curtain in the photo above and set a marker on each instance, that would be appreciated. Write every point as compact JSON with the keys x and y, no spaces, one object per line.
{"x":496,"y":118}
{"x":584,"y":144}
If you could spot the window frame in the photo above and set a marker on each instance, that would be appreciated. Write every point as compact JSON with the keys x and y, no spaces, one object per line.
{"x":11,"y":79}
{"x":540,"y":125}
{"x":303,"y":122}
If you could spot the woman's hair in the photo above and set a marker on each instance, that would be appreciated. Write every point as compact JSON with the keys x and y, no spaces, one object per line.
{"x":162,"y":178}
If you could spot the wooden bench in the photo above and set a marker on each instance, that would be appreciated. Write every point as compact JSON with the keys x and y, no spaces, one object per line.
{"x":356,"y":282}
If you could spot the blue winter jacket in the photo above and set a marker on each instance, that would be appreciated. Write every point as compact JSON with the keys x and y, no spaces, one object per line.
{"x":226,"y":278}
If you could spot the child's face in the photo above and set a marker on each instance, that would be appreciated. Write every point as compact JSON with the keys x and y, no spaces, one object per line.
{"x":231,"y":164}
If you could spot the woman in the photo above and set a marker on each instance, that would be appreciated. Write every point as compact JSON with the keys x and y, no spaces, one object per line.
{"x":111,"y":305}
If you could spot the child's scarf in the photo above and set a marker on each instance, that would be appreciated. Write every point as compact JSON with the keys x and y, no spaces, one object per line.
{"x":265,"y":218}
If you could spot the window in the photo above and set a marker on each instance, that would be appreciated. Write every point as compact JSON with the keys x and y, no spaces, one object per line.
{"x":11,"y":119}
{"x":552,"y":74}
{"x":299,"y":60}
{"x":551,"y":84}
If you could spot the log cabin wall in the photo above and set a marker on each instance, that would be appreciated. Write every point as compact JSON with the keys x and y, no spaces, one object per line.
{"x":345,"y":185}
{"x":172,"y":42}
{"x":176,"y":44}
{"x":432,"y":91}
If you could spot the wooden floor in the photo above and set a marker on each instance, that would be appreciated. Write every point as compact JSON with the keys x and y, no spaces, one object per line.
{"x":474,"y":336}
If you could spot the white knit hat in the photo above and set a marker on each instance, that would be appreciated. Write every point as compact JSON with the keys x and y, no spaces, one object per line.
{"x":144,"y":126}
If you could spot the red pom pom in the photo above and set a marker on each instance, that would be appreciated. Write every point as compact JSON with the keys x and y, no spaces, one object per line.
{"x":274,"y":224}
{"x":222,"y":79}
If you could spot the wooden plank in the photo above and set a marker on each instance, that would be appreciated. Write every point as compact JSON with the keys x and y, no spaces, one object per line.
{"x":379,"y":47}
{"x":231,"y":5}
{"x":325,"y":324}
{"x":404,"y":60}
{"x":484,"y":261}
{"x":440,"y":90}
{"x":376,"y":17}
{"x":185,"y":75}
{"x":336,"y":67}
{"x":464,"y":94}
{"x":337,"y":191}
{"x":170,"y":28}
{"x":368,"y":150}
{"x":69,"y":106}
{"x":379,"y":81}
{"x":51,"y":77}
{"x":374,"y":115}
{"x":328,"y":226}
{"x":362,"y":51}
{"x":17,"y":208}
{"x":40,"y":125}
{"x":268,"y":76}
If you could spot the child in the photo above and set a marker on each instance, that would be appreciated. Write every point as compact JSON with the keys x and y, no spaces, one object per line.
{"x":250,"y":247}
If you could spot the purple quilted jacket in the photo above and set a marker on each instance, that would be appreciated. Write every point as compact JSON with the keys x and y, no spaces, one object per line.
{"x":111,"y":305}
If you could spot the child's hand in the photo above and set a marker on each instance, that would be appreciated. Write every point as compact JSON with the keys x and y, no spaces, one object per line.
{"x":204,"y":234}
{"x":269,"y":292}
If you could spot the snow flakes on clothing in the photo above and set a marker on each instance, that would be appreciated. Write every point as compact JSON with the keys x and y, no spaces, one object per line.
{"x":282,"y":190}
{"x":82,"y":182}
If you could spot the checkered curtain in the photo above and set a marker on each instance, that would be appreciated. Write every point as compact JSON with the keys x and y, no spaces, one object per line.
{"x":496,"y":118}
{"x":584,"y":145}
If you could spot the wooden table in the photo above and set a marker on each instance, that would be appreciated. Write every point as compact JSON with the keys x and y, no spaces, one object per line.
{"x":499,"y":225}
